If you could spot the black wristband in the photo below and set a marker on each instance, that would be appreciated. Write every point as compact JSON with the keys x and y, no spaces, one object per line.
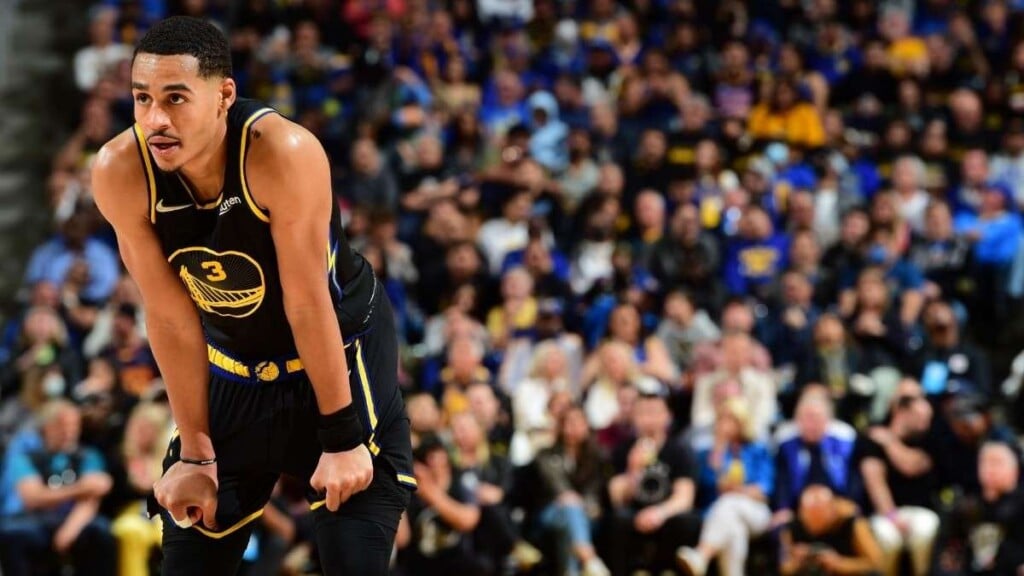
{"x":340,"y":431}
{"x":206,"y":462}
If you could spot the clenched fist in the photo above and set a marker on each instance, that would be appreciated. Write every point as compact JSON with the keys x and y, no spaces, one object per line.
{"x":189,"y":493}
{"x":340,"y":475}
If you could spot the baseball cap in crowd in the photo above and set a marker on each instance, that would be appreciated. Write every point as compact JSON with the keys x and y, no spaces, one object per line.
{"x":968,"y":405}
{"x":1004,"y":190}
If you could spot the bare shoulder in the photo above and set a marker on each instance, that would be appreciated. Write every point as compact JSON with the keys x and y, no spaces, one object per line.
{"x":285,"y":162}
{"x":118,"y":179}
{"x":276,"y":140}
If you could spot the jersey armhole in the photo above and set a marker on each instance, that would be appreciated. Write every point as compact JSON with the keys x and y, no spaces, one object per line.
{"x":243,"y":153}
{"x":147,"y":165}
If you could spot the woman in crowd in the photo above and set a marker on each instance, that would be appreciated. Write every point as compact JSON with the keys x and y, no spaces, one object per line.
{"x":735,"y":479}
{"x":573,"y":473}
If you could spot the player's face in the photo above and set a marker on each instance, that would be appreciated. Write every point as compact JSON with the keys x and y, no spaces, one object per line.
{"x":181,"y":113}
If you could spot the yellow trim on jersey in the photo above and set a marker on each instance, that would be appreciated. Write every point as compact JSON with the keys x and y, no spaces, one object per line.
{"x":403,"y":478}
{"x":332,"y":257}
{"x":371,"y":412}
{"x":259,"y":212}
{"x":147,"y":164}
{"x":237,"y":526}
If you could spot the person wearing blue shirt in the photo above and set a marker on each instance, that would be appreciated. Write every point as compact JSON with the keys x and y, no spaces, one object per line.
{"x":996,"y":234}
{"x":756,"y":257}
{"x":735,"y":479}
{"x":59,"y":487}
{"x":995,"y":230}
{"x":52,"y":261}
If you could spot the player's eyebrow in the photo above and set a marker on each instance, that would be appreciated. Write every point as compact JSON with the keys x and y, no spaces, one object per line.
{"x":168,"y":88}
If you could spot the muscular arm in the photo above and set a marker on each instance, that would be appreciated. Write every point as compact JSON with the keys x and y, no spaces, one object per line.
{"x":172,"y":322}
{"x":289,"y":176}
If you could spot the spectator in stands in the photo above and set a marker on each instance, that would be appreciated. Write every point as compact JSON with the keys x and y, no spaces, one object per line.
{"x":896,"y":466}
{"x":756,"y":256}
{"x":441,"y":517}
{"x":500,"y":236}
{"x":103,"y":53}
{"x":964,"y":423}
{"x":688,"y":258}
{"x":610,"y":371}
{"x":487,"y":477}
{"x":516,"y":315}
{"x":757,"y":386}
{"x":817,"y":450}
{"x":786,"y":117}
{"x":875,"y":323}
{"x":54,"y":260}
{"x":464,"y":368}
{"x":549,"y":133}
{"x":372,"y":184}
{"x":684,"y":326}
{"x":996,"y":234}
{"x":996,"y":540}
{"x":653,"y":492}
{"x":736,"y":479}
{"x":549,"y":374}
{"x":573,"y":473}
{"x":60,"y":487}
{"x":130,"y":355}
{"x":833,"y":361}
{"x":492,"y":412}
{"x":790,"y":325}
{"x":135,"y":471}
{"x":943,"y":256}
{"x":947,"y":363}
{"x":827,"y":536}
{"x":43,"y":364}
{"x":625,"y":326}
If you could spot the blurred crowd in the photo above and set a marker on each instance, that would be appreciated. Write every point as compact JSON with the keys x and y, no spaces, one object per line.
{"x":681,"y":285}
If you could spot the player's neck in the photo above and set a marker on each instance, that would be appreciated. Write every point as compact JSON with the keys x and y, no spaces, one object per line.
{"x":205,"y":174}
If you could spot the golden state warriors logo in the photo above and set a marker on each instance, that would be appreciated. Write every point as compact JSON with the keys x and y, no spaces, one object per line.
{"x":226,"y":283}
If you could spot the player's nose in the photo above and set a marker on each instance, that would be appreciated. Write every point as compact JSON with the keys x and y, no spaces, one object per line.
{"x":156,"y":119}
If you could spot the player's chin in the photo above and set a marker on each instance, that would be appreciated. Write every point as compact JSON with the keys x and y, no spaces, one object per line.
{"x":169,"y":161}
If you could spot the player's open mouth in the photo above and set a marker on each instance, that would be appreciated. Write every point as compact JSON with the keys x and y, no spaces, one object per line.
{"x":164,"y":148}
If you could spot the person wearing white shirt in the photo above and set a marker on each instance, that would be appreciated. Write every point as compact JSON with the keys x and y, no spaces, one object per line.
{"x":103,"y":53}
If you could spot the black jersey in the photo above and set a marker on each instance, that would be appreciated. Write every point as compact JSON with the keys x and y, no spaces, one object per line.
{"x":224,"y":254}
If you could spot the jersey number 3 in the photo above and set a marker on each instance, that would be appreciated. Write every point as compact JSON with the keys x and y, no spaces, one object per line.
{"x":216,"y":271}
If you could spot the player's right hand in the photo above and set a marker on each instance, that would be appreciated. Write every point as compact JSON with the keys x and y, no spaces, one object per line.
{"x":189,"y":493}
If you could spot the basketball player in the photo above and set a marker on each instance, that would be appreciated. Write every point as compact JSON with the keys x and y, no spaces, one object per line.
{"x":274,"y":339}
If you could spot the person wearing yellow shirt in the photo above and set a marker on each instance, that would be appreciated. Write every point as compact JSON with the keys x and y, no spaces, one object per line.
{"x":785,"y":117}
{"x":518,"y":312}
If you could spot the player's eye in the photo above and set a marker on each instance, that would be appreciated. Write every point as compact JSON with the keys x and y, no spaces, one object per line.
{"x":176,"y":99}
{"x":142,"y":98}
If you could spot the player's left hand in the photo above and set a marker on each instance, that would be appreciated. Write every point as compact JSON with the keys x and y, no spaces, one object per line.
{"x":340,"y":475}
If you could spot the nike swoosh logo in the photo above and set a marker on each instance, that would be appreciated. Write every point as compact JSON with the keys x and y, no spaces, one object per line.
{"x":161,"y":208}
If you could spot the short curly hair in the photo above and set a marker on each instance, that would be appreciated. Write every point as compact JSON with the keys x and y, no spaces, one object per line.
{"x":184,"y":35}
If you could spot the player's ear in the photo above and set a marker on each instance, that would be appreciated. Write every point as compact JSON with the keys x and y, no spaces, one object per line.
{"x":228,"y":93}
